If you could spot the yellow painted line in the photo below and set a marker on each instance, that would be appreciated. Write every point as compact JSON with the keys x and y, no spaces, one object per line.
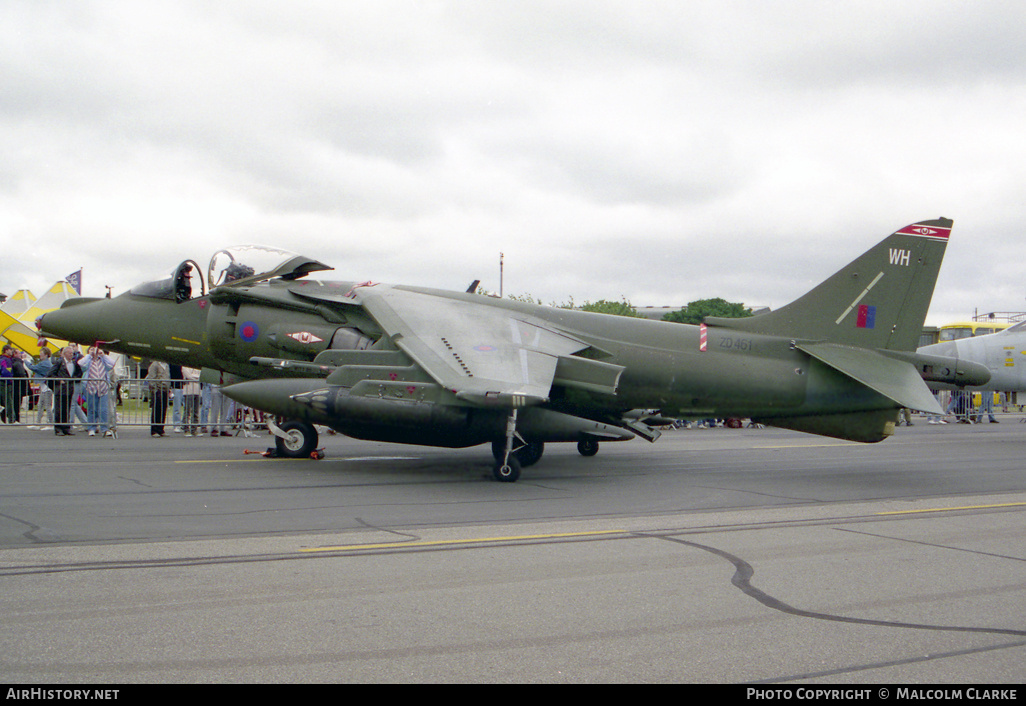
{"x":185,"y":340}
{"x":259,"y":455}
{"x":946,"y":509}
{"x":807,"y":446}
{"x":450,"y":542}
{"x":239,"y":460}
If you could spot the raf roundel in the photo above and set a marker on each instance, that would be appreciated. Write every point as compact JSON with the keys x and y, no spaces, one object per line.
{"x":249,"y":331}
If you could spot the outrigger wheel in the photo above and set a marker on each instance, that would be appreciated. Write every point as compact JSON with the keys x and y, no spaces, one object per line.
{"x":507,"y":472}
{"x":508,"y":458}
{"x":298,"y":439}
{"x":587,"y":447}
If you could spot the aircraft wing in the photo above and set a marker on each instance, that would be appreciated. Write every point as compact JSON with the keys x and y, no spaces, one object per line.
{"x":485,"y":354}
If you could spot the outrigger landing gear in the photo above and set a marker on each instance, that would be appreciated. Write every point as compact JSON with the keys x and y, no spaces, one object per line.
{"x":294,"y":439}
{"x":507,"y":464}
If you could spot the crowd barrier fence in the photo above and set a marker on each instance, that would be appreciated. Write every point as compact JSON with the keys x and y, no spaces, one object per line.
{"x":129,"y":405}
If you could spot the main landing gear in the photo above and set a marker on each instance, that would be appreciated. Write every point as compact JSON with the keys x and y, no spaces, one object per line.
{"x":587,"y":447}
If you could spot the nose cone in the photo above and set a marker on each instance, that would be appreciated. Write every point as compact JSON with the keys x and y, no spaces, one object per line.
{"x":972,"y":374}
{"x":82,"y":320}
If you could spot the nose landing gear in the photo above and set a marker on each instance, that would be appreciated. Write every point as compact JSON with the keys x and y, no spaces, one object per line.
{"x":294,"y":439}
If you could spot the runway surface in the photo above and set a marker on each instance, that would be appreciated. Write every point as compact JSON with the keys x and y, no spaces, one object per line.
{"x":752,"y":555}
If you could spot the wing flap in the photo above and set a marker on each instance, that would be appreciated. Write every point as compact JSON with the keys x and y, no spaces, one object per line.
{"x":586,"y":374}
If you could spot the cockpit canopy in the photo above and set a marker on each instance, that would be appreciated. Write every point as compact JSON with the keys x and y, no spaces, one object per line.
{"x":242,"y":264}
{"x":253,"y":263}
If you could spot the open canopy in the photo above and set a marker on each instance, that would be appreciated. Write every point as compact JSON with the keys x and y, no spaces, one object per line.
{"x":241,"y":264}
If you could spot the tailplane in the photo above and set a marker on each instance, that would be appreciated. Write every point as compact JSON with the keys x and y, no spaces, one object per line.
{"x":879,"y":300}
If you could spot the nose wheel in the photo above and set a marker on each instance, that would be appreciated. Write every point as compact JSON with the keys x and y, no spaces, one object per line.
{"x":294,"y":439}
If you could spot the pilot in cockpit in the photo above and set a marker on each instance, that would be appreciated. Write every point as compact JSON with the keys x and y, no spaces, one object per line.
{"x":183,"y":283}
{"x":236,"y":271}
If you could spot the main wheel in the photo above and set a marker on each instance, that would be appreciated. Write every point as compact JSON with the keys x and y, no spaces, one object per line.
{"x":587,"y":447}
{"x":300,"y":439}
{"x":530,"y":454}
{"x":507,"y":472}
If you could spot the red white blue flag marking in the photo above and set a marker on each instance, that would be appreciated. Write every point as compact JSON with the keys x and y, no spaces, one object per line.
{"x":866,"y":317}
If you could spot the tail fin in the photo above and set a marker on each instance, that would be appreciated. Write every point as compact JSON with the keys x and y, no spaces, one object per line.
{"x":879,"y":300}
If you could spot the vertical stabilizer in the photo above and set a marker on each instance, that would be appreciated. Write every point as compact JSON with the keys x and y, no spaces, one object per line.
{"x":879,"y":300}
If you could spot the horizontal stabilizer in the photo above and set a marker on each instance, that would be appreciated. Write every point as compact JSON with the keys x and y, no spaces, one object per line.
{"x":896,"y":380}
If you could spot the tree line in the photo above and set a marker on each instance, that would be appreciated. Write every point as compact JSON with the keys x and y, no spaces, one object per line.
{"x":694,"y":313}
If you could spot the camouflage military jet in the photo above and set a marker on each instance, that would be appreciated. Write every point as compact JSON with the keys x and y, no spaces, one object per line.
{"x":456,"y":369}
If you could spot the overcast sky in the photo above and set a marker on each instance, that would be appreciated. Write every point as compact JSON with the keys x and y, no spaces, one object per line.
{"x":658,"y":151}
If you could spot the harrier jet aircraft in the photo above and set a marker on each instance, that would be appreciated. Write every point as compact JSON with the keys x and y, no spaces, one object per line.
{"x":456,"y":369}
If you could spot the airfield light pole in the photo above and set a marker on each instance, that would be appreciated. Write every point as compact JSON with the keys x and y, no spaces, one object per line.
{"x":500,"y":275}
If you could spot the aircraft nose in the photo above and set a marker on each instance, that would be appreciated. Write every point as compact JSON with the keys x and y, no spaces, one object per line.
{"x":80,"y":322}
{"x":973,"y":374}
